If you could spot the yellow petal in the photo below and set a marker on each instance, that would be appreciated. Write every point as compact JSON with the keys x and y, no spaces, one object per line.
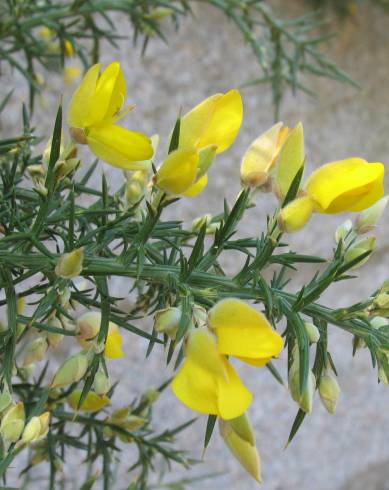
{"x":207,"y":382}
{"x":196,"y":388}
{"x":197,"y":188}
{"x":347,"y":185}
{"x":120,"y":147}
{"x":233,"y":396}
{"x":114,"y":342}
{"x":242,"y":331}
{"x":290,"y":160}
{"x":261,"y":155}
{"x":178,"y":172}
{"x":109,"y":95}
{"x":296,"y":214}
{"x":92,"y":402}
{"x":215,"y":121}
{"x":80,"y":103}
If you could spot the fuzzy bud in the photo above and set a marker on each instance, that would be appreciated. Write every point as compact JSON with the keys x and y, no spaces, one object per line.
{"x":70,"y":264}
{"x":305,"y":398}
{"x":167,"y":321}
{"x":101,"y":383}
{"x":368,"y":219}
{"x":358,"y":249}
{"x":245,"y":452}
{"x":64,"y":168}
{"x":71,"y":371}
{"x":54,"y":339}
{"x":313,"y":332}
{"x":12,"y":424}
{"x":329,"y":391}
{"x":35,"y":351}
{"x":343,"y":231}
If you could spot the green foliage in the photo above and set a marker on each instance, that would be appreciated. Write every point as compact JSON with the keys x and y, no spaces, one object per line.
{"x":285,"y":49}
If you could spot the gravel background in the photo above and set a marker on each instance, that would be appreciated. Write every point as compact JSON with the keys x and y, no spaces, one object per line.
{"x":347,"y":451}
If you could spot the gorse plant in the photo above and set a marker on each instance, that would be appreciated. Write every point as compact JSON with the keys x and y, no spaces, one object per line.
{"x":62,"y":239}
{"x":51,"y":35}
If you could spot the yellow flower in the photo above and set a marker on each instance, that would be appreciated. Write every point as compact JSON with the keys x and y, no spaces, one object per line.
{"x":92,"y":402}
{"x":244,"y":332}
{"x":261,"y":156}
{"x":95,"y":108}
{"x":346,"y":185}
{"x":208,"y":129}
{"x":207,"y":382}
{"x":88,"y":327}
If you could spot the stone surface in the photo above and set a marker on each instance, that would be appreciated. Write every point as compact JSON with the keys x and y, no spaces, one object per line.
{"x":347,"y":451}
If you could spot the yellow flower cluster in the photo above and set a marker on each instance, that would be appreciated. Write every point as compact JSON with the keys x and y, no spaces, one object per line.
{"x":207,"y":382}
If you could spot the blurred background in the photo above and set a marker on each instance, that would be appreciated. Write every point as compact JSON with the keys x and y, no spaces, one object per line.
{"x":345,"y":451}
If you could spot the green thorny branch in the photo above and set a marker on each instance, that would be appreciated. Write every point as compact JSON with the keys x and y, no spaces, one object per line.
{"x":285,"y":49}
{"x":166,"y":264}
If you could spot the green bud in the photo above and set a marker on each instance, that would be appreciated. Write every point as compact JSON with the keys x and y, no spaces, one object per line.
{"x":101,"y":383}
{"x":36,"y":172}
{"x":313,"y":332}
{"x":304,"y":399}
{"x":244,"y":452}
{"x":329,"y":391}
{"x":167,"y":321}
{"x":54,"y":339}
{"x":31,"y":431}
{"x":70,"y":264}
{"x":151,"y":395}
{"x":199,"y":222}
{"x":160,"y":13}
{"x":368,"y":219}
{"x":133,"y":422}
{"x":343,"y":231}
{"x":88,"y":325}
{"x":71,"y":371}
{"x":360,"y":248}
{"x":63,"y":168}
{"x":134,"y":192}
{"x":243,"y":427}
{"x":35,"y":351}
{"x":12,"y":423}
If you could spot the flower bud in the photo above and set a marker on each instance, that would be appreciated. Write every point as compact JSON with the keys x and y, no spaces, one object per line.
{"x":261,"y":156}
{"x":134,"y":422}
{"x":305,"y":398}
{"x":63,"y":168}
{"x":150,"y":396}
{"x":359,"y":248}
{"x":54,"y":339}
{"x":200,"y":316}
{"x":31,"y":431}
{"x":71,"y":371}
{"x":313,"y":332}
{"x":296,"y":214}
{"x":244,"y":452}
{"x":160,"y":13}
{"x":12,"y":423}
{"x":70,"y":264}
{"x":35,"y":351}
{"x":199,"y":222}
{"x":368,"y":219}
{"x":36,"y":172}
{"x":167,"y":321}
{"x":343,"y":231}
{"x":329,"y":392}
{"x":92,"y":402}
{"x":88,"y":326}
{"x":134,"y":192}
{"x":243,"y":427}
{"x":101,"y":383}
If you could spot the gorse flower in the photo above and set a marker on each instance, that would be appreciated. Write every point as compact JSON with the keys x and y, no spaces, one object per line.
{"x":244,"y":332}
{"x":207,"y":382}
{"x":95,"y":108}
{"x":261,"y":156}
{"x":347,"y":185}
{"x":207,"y":130}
